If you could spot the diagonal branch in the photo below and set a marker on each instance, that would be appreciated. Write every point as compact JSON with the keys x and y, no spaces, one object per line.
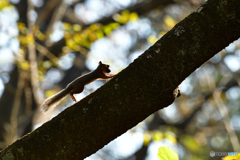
{"x":141,"y":89}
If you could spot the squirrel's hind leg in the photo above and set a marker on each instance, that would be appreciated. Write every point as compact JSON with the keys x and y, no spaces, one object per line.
{"x":75,"y":91}
{"x":73,"y":98}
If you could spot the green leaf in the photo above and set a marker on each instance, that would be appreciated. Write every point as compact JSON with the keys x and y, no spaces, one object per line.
{"x":166,"y":153}
{"x":4,"y":4}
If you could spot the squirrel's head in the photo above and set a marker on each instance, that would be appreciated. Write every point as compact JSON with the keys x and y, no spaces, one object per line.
{"x":104,"y":67}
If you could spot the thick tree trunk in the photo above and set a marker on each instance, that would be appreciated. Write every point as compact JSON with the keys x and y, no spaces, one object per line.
{"x":141,"y":89}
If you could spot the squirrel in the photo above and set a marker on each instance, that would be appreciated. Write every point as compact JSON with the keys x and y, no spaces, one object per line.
{"x":77,"y":86}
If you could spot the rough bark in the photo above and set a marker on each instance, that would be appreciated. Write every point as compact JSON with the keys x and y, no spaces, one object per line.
{"x":141,"y":89}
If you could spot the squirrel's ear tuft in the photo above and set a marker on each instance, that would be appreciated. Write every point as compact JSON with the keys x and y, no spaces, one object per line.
{"x":100,"y":62}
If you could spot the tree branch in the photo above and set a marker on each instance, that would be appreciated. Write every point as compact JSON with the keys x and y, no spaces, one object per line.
{"x":141,"y":89}
{"x":32,"y":54}
{"x":226,"y":121}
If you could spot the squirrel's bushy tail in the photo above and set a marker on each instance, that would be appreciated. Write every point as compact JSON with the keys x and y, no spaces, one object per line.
{"x":51,"y":102}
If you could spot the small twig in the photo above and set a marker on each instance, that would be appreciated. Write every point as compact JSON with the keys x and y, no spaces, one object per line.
{"x":226,"y":120}
{"x":28,"y":99}
{"x":57,"y":16}
{"x":46,"y":52}
{"x":200,"y":2}
{"x":224,"y":113}
{"x":16,"y":107}
{"x":33,"y":56}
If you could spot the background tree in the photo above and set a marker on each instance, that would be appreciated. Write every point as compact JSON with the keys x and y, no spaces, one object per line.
{"x":17,"y":119}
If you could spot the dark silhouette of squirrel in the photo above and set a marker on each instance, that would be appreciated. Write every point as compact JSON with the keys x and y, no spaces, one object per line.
{"x":77,"y":86}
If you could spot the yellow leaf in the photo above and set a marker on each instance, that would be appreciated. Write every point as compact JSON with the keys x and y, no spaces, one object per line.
{"x":40,"y":35}
{"x":67,"y":26}
{"x":152,"y":39}
{"x":236,"y":157}
{"x":78,"y":38}
{"x":107,"y":29}
{"x":169,"y":21}
{"x":85,"y":44}
{"x":231,"y":158}
{"x":29,"y":38}
{"x":49,"y":93}
{"x":21,"y":25}
{"x":77,"y":28}
{"x":133,"y":16}
{"x":92,"y":37}
{"x":166,"y":153}
{"x":67,"y":35}
{"x":157,"y":136}
{"x":76,"y":47}
{"x":125,"y":13}
{"x":123,"y":18}
{"x":190,"y":143}
{"x":70,"y":43}
{"x":24,"y":65}
{"x":99,"y":34}
{"x":41,"y":75}
{"x":96,"y":26}
{"x":114,"y":25}
{"x":116,"y":17}
{"x":47,"y":64}
{"x":21,"y":40}
{"x":22,"y":28}
{"x":171,"y":137}
{"x":3,"y":4}
{"x":162,"y":33}
{"x":146,"y":138}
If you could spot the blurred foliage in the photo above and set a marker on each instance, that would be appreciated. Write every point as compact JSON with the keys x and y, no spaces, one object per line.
{"x":169,"y":21}
{"x":125,"y":16}
{"x":4,"y":4}
{"x":77,"y":38}
{"x":152,"y":39}
{"x":158,"y":136}
{"x":166,"y":153}
{"x":232,"y":157}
